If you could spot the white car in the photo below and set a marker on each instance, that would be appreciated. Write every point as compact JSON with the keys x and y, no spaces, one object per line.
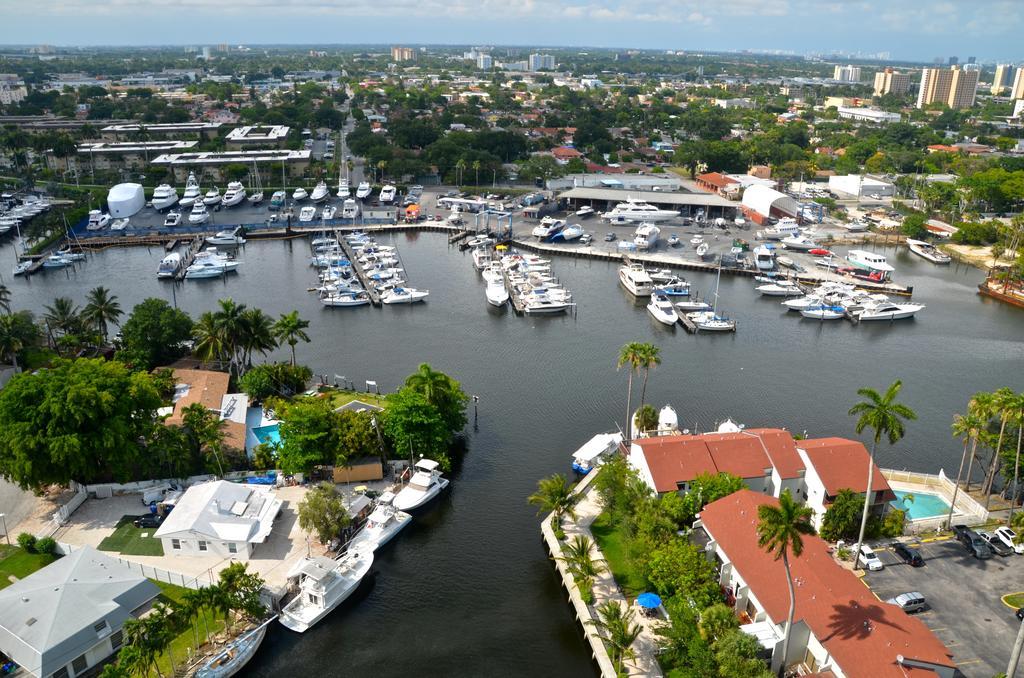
{"x":869,"y":559}
{"x":1007,"y":536}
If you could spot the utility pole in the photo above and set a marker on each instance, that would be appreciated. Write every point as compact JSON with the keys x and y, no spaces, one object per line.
{"x":1011,"y":669}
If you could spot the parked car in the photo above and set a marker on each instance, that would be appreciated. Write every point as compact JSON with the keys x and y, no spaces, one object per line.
{"x":978,"y":547}
{"x":996,"y":544}
{"x":909,"y":555}
{"x":149,"y":520}
{"x":869,"y":559}
{"x":1008,"y":537}
{"x":909,"y":602}
{"x":610,"y":237}
{"x":963,"y":534}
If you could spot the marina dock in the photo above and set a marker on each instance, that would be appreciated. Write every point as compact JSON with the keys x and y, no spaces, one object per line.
{"x":357,"y":268}
{"x":189,"y":256}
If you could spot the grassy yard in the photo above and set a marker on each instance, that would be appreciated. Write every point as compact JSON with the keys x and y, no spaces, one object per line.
{"x":16,"y":562}
{"x":340,"y":398}
{"x":128,"y":540}
{"x":1014,"y":600}
{"x":612,"y":542}
{"x":185,"y":641}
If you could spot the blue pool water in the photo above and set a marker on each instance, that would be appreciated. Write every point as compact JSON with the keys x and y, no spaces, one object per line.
{"x":268,"y":434}
{"x":924,"y":505}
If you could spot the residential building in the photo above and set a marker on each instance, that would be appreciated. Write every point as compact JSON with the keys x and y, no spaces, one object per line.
{"x":257,"y":136}
{"x":404,"y":54}
{"x":834,"y":464}
{"x":868,"y":115}
{"x":11,"y":94}
{"x":879,"y":641}
{"x":484,"y":62}
{"x":1017,"y":90}
{"x":114,"y":155}
{"x":296,"y":162}
{"x":64,"y":620}
{"x":563,"y":154}
{"x":1002,"y":79}
{"x":541,"y":62}
{"x":210,"y":389}
{"x":734,"y":103}
{"x":964,"y":88}
{"x":179,"y":129}
{"x":891,"y":82}
{"x":221,"y":519}
{"x":847,"y":73}
{"x":716,"y":182}
{"x":954,"y":87}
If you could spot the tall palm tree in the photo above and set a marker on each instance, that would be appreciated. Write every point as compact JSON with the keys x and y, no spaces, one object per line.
{"x":650,"y":357}
{"x":966,"y":427}
{"x":257,"y":334}
{"x":631,"y":354}
{"x":62,"y":316}
{"x":460,"y":165}
{"x":430,"y":383}
{"x":209,"y":340}
{"x":1003,"y":403}
{"x":555,"y":495}
{"x":883,"y":414}
{"x":578,"y":558}
{"x":981,"y":407}
{"x":780,"y":529}
{"x":291,"y":329}
{"x":1018,"y":420}
{"x":101,"y":309}
{"x":618,"y":630}
{"x":5,"y":299}
{"x":476,"y":167}
{"x":11,"y":341}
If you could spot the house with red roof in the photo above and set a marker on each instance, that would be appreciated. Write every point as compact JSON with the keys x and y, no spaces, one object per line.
{"x":839,"y":627}
{"x":715,"y":182}
{"x":564,"y":154}
{"x":834,"y":464}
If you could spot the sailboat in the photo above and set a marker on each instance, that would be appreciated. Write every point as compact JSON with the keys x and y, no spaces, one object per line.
{"x":710,"y":321}
{"x":256,"y":194}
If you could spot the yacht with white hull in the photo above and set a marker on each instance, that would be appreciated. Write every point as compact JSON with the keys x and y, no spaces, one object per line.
{"x":234,"y":195}
{"x":636,"y":281}
{"x":323,"y":584}
{"x":387,"y":194}
{"x":320,"y":192}
{"x":363,"y":190}
{"x":636,"y":211}
{"x":383,"y":524}
{"x":198,"y":215}
{"x":165,"y":196}
{"x":425,"y":484}
{"x":662,"y":309}
{"x":646,"y":236}
{"x":192,"y":191}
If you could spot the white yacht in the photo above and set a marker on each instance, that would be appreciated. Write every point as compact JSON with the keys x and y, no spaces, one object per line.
{"x":345,"y":298}
{"x":784,"y":228}
{"x":595,"y":451}
{"x":869,"y":260}
{"x":928,"y":251}
{"x":634,"y":210}
{"x":764,"y":258}
{"x":403,"y":295}
{"x":230,"y":237}
{"x":668,"y":421}
{"x":192,"y":191}
{"x":169,"y":266}
{"x":635,"y":279}
{"x":662,"y":309}
{"x":234,"y":195}
{"x":387,"y":194}
{"x":164,"y":196}
{"x":584,"y":212}
{"x":350,"y":209}
{"x":780,"y":288}
{"x":426,"y":483}
{"x":172,"y":219}
{"x":97,"y":220}
{"x":323,"y":584}
{"x":799,"y":243}
{"x":328,"y":213}
{"x":709,"y":321}
{"x":320,"y":192}
{"x":300,"y":194}
{"x":568,"y":234}
{"x":119,"y":224}
{"x":886,"y":310}
{"x":384,"y":523}
{"x":278,"y":199}
{"x":547,"y":227}
{"x":541,"y":304}
{"x":646,"y":236}
{"x":307,"y":213}
{"x":821,"y":311}
{"x":363,"y":190}
{"x":496,"y":294}
{"x":232,"y":658}
{"x":343,"y":190}
{"x":198,"y":215}
{"x":211,"y":263}
{"x":212,"y":197}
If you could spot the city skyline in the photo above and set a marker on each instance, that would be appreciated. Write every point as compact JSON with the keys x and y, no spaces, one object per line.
{"x":908,"y":29}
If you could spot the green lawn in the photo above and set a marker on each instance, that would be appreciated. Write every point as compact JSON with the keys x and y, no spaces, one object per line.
{"x":186,"y":640}
{"x":612,"y":543}
{"x":128,"y":540}
{"x":1014,"y":600}
{"x":19,"y":563}
{"x":339,"y":398}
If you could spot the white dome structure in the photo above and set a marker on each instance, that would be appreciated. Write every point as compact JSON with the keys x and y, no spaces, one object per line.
{"x":124,"y":200}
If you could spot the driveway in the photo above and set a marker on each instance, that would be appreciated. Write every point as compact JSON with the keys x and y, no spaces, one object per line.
{"x":965,"y":611}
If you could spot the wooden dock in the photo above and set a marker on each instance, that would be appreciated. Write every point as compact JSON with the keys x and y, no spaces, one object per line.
{"x":513,"y":294}
{"x":687,"y":324}
{"x":357,"y":268}
{"x":189,"y":256}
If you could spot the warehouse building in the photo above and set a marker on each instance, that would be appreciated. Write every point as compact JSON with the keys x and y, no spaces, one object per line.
{"x":761,"y":203}
{"x":688,"y":204}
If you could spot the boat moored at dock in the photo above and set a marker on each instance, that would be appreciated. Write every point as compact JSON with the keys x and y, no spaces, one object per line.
{"x":424,"y":486}
{"x":323,"y":584}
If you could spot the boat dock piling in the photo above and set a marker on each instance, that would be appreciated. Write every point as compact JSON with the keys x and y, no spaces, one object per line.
{"x":687,"y":324}
{"x":513,"y":293}
{"x":357,"y":268}
{"x":189,"y":256}
{"x":456,"y":237}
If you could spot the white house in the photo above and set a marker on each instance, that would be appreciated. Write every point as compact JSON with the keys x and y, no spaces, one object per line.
{"x":834,"y":464}
{"x":65,"y":619}
{"x":220,"y":518}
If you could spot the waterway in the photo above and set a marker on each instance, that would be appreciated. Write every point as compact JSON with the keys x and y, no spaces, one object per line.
{"x":468,"y":590}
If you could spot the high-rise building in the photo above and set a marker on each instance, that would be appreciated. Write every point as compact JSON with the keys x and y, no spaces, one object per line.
{"x":403,"y":54}
{"x":1017,"y":91}
{"x":847,"y":73}
{"x":972,"y":60}
{"x":484,"y":62}
{"x":953,"y":86}
{"x":542,"y":62}
{"x":1001,"y":80}
{"x":891,"y":82}
{"x":953,"y":61}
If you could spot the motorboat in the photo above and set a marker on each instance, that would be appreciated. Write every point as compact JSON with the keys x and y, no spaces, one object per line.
{"x":668,"y":421}
{"x":425,"y":484}
{"x":595,"y":452}
{"x":547,"y":227}
{"x":673,"y":240}
{"x":404,"y":295}
{"x":638,"y":211}
{"x":784,"y":261}
{"x":481,"y":258}
{"x":307,"y":214}
{"x":277,"y":199}
{"x":381,"y":526}
{"x":697,"y":240}
{"x":363,"y":190}
{"x":885,"y":310}
{"x":764,"y":258}
{"x":480,"y":241}
{"x":300,"y":193}
{"x":320,"y":192}
{"x":545,"y":305}
{"x":823,"y":312}
{"x":324,"y":583}
{"x":873,"y":262}
{"x":799,"y":243}
{"x":328,"y":213}
{"x":928,"y":251}
{"x":783,"y":229}
{"x":636,"y":281}
{"x":164,"y":197}
{"x":22,"y":268}
{"x":673,"y":288}
{"x":387,"y":194}
{"x":780,"y":288}
{"x":172,"y":219}
{"x":692,"y":305}
{"x":496,"y":294}
{"x":584,"y":212}
{"x":709,"y":321}
{"x":662,"y":275}
{"x":212,"y":197}
{"x":702,"y":250}
{"x":346,"y":298}
{"x":662,"y":309}
{"x":233,"y":657}
{"x":855,"y":226}
{"x":56,"y":261}
{"x":646,"y":236}
{"x":169,"y":266}
{"x":568,"y":234}
{"x":209,"y":268}
{"x":234,"y":195}
{"x":192,"y":191}
{"x":198,"y":215}
{"x":324,"y":244}
{"x":350,"y":209}
{"x":97,"y":220}
{"x":343,"y":190}
{"x":119,"y":224}
{"x":231,"y":237}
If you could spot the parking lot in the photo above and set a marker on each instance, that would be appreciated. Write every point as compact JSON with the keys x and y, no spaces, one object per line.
{"x":965,"y":611}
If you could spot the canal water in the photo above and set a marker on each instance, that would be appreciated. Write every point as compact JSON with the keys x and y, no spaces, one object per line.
{"x":468,"y":589}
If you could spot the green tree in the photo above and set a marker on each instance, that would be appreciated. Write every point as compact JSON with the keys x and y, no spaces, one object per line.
{"x":101,"y":309}
{"x":154,"y":334}
{"x":706,"y":488}
{"x":737,"y":655}
{"x":680,"y":568}
{"x":616,"y":626}
{"x":5,"y":299}
{"x":414,"y":426}
{"x":242,"y":590}
{"x":63,"y":317}
{"x":632,"y":354}
{"x":780,"y":530}
{"x":291,"y":329}
{"x":322,"y":512}
{"x":716,"y":621}
{"x":308,"y":433}
{"x":913,"y":226}
{"x":968,"y":427}
{"x":443,"y":392}
{"x":883,"y":414}
{"x":256,"y":335}
{"x":646,"y":419}
{"x":18,"y":332}
{"x":841,"y":519}
{"x":206,"y":432}
{"x":78,"y":420}
{"x":555,"y":495}
{"x":650,"y":356}
{"x":274,"y":379}
{"x":578,"y":558}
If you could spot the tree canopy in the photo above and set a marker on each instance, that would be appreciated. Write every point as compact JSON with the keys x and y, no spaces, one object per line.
{"x":154,"y":334}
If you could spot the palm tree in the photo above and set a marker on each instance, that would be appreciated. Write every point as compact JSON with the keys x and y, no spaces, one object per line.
{"x":62,"y":316}
{"x":631,"y":354}
{"x":257,"y":334}
{"x":382,"y":165}
{"x":967,"y":427}
{"x":429,"y":383}
{"x":476,"y":167}
{"x":883,"y":414}
{"x":11,"y":341}
{"x":980,"y":407}
{"x":459,"y":167}
{"x":650,"y":357}
{"x":555,"y":495}
{"x":779,"y":531}
{"x":5,"y":299}
{"x":617,"y":629}
{"x":231,"y":321}
{"x":209,"y":341}
{"x":101,"y":308}
{"x":577,"y":557}
{"x":291,"y":329}
{"x":1018,"y":420}
{"x":1003,"y":404}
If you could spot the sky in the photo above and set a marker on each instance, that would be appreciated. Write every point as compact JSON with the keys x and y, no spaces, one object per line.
{"x":915,"y":30}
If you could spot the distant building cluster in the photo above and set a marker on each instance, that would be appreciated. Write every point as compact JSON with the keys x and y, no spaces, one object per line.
{"x":401,"y":54}
{"x":891,"y":82}
{"x":954,"y":87}
{"x":847,"y":73}
{"x":541,"y":62}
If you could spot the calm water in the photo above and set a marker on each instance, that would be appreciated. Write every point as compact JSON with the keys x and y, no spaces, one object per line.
{"x":467,"y":590}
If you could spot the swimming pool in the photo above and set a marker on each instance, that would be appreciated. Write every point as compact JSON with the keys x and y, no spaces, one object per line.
{"x":924,"y":504}
{"x":268,"y":434}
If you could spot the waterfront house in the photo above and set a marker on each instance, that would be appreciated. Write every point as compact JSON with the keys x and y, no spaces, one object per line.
{"x":64,"y":620}
{"x":834,"y":464}
{"x":839,"y":627}
{"x":220,"y":518}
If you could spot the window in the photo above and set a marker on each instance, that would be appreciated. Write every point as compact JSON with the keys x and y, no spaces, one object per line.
{"x":176,"y":544}
{"x":202,"y":545}
{"x":61,"y":673}
{"x":99,"y":626}
{"x":232,"y":547}
{"x":79,"y":664}
{"x":116,"y":640}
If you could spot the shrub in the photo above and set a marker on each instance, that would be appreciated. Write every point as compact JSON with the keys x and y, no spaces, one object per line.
{"x":892,"y":524}
{"x":27,"y":541}
{"x":843,"y":553}
{"x":46,"y":546}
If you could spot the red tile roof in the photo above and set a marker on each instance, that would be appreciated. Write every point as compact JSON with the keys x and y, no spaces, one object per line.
{"x":863,"y":634}
{"x":564,"y":152}
{"x":716,"y":179}
{"x":841,"y":463}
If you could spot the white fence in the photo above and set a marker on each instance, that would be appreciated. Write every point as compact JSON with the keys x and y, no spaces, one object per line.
{"x":65,"y":511}
{"x":102,"y":490}
{"x":188,"y":581}
{"x":967,"y":509}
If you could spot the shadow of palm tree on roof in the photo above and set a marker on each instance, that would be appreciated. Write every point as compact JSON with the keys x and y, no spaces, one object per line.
{"x":855,"y":621}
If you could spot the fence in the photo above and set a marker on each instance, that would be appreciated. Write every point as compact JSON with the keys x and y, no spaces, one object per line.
{"x":65,"y":511}
{"x":187,"y":581}
{"x":967,"y":508}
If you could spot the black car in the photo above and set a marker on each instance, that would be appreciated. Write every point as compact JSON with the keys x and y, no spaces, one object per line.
{"x":908,"y":555}
{"x":963,"y":534}
{"x":148,"y":520}
{"x":978,"y":547}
